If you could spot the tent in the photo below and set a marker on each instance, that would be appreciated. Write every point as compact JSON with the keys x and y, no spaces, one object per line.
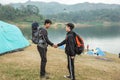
{"x":11,"y":38}
{"x":97,"y":52}
{"x":62,"y":47}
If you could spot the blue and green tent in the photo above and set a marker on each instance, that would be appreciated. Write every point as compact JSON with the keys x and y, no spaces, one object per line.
{"x":11,"y":38}
{"x":98,"y":52}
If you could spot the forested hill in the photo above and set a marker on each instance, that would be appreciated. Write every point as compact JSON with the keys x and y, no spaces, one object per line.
{"x":55,"y":8}
{"x":82,"y":12}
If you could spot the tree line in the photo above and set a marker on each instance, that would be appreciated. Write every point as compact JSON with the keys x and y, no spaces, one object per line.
{"x":24,"y":13}
{"x":29,"y":13}
{"x":111,"y":15}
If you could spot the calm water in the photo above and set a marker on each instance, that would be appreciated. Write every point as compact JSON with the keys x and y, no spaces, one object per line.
{"x":106,"y":38}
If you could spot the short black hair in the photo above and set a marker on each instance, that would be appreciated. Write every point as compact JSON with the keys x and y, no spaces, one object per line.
{"x":47,"y":21}
{"x":71,"y":25}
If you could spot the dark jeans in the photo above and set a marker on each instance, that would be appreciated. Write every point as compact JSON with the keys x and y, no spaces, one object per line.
{"x":43,"y":55}
{"x":71,"y":67}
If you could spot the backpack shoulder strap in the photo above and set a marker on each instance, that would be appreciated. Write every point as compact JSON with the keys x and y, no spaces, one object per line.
{"x":40,"y":29}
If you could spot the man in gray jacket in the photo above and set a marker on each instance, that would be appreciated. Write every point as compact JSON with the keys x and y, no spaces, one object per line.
{"x":43,"y":48}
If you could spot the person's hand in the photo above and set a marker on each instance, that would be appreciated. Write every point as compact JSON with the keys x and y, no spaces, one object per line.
{"x":72,"y":57}
{"x":55,"y":45}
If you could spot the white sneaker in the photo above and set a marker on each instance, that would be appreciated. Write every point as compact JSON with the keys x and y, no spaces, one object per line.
{"x":67,"y":76}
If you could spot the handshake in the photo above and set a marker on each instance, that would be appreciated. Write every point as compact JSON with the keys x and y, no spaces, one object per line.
{"x":55,"y":46}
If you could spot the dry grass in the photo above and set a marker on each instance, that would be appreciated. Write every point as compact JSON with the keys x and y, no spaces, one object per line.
{"x":24,"y":65}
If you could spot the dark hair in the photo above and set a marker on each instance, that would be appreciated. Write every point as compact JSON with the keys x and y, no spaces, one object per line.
{"x":71,"y":25}
{"x":47,"y":21}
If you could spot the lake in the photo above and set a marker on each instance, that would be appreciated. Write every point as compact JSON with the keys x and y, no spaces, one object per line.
{"x":105,"y":38}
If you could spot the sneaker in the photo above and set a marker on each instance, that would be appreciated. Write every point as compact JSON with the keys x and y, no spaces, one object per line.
{"x":67,"y":76}
{"x":47,"y":77}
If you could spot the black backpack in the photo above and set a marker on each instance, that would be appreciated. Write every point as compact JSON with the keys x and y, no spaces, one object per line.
{"x":35,"y":36}
{"x":79,"y":44}
{"x":35,"y":30}
{"x":39,"y":39}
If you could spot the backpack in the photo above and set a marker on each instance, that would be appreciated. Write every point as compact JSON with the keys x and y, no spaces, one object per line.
{"x":79,"y":44}
{"x":38,"y":38}
{"x":35,"y":30}
{"x":35,"y":36}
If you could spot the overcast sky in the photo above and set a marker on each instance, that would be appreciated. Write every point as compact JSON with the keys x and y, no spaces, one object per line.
{"x":64,"y":1}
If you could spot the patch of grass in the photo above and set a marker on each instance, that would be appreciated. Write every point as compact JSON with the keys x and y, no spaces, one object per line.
{"x":24,"y":65}
{"x":13,"y":72}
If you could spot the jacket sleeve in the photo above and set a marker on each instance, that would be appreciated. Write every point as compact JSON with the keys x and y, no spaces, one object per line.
{"x":62,"y":43}
{"x":44,"y":32}
{"x":48,"y":41}
{"x":71,"y":43}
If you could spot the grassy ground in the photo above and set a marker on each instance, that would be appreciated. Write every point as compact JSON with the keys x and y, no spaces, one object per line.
{"x":24,"y":65}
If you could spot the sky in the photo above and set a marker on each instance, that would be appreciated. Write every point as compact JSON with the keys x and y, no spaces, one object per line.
{"x":64,"y":1}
